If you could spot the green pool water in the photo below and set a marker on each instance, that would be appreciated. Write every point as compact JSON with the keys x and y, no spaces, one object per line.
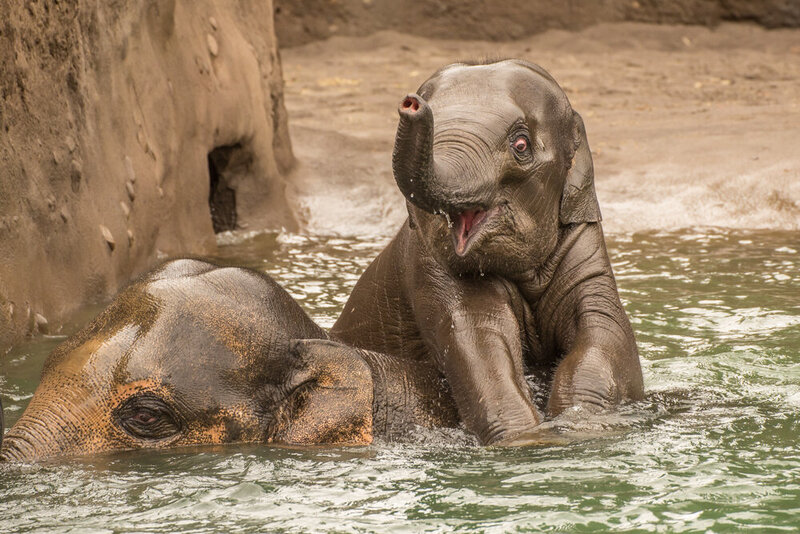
{"x":713,"y":447}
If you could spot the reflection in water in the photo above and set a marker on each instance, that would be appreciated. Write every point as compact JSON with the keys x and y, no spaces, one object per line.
{"x":712,"y":447}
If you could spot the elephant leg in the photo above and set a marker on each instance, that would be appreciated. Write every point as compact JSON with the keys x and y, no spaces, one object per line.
{"x":474,"y":330}
{"x":601,"y":368}
{"x":581,"y":317}
{"x":585,"y":379}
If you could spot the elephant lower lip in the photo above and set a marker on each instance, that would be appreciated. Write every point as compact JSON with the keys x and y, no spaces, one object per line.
{"x":467,"y":225}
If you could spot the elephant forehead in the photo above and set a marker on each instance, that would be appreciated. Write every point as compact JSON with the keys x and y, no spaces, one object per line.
{"x":238,"y":303}
{"x":93,"y":364}
{"x":198,"y":347}
{"x":470,"y":114}
{"x":173,"y":346}
{"x":201,"y":347}
{"x":479,"y":84}
{"x":188,"y":347}
{"x":504,"y":85}
{"x":198,"y":371}
{"x":84,"y":378}
{"x":200,"y":317}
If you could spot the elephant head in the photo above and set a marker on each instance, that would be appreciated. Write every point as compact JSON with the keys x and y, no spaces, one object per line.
{"x":493,"y":161}
{"x":194,"y":354}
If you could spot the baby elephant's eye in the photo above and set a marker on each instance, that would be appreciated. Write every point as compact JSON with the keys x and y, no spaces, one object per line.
{"x":147,"y":416}
{"x":520,"y":144}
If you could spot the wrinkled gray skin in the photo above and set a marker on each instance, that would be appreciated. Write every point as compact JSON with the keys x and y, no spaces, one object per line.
{"x":501,"y":270}
{"x":193,"y":353}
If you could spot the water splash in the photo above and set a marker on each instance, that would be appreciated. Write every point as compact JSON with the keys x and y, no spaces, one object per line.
{"x":717,"y":327}
{"x":447,"y":216}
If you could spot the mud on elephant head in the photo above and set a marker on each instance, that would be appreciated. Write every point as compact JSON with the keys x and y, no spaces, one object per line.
{"x":193,"y":354}
{"x":504,"y":164}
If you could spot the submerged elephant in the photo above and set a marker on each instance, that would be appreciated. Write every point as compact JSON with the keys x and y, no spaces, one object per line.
{"x":501,"y":270}
{"x":194,"y":353}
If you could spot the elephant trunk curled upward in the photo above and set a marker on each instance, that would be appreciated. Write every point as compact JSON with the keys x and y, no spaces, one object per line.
{"x":501,"y":270}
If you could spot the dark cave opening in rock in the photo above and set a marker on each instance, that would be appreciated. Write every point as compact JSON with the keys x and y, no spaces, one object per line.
{"x":221,"y":196}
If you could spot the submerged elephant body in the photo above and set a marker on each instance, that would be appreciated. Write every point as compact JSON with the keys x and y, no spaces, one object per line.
{"x":194,"y":353}
{"x":501,"y":269}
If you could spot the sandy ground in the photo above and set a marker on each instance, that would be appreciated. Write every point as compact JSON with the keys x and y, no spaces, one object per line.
{"x":689,"y":126}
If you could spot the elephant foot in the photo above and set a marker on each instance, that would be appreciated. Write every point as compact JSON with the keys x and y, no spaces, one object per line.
{"x":514,"y":423}
{"x":585,"y":381}
{"x":540,"y":436}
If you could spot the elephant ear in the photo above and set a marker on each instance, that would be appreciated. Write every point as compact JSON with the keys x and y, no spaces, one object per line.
{"x":331,"y":400}
{"x":578,"y":200}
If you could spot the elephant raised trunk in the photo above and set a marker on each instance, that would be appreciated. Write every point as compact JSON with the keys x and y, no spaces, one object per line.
{"x":412,"y":160}
{"x":435,"y":184}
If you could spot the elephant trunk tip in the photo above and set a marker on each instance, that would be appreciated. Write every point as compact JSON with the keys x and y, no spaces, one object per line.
{"x":410,"y":104}
{"x":413,"y":109}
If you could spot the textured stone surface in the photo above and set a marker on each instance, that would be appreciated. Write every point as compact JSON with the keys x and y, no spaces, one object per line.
{"x":108,"y":112}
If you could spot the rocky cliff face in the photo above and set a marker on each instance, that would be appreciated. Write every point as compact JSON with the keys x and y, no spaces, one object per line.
{"x":130,"y":130}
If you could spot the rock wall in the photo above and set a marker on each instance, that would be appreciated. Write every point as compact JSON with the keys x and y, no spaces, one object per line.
{"x":123,"y":125}
{"x":302,"y":21}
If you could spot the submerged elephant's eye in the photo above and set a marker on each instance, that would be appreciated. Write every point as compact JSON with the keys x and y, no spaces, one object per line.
{"x":520,"y":144}
{"x":144,"y":417}
{"x":147,"y":416}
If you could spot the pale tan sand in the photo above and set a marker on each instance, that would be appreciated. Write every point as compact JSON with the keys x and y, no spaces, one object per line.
{"x":688,"y":125}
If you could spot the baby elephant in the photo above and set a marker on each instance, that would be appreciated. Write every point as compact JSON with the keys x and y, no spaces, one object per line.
{"x":194,"y":353}
{"x":501,"y":270}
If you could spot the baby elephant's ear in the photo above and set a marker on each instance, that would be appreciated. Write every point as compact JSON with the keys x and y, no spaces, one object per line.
{"x":578,"y":201}
{"x":331,"y":399}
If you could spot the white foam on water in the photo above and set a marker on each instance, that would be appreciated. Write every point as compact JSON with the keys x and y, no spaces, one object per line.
{"x":362,"y":210}
{"x":671,"y":196}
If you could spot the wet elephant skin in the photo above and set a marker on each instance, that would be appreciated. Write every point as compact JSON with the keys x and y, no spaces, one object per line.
{"x":501,"y":270}
{"x":194,"y":353}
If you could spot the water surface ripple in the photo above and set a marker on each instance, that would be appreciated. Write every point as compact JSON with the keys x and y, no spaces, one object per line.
{"x":713,"y":447}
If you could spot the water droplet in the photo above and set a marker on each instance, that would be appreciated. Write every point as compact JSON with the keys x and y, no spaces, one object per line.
{"x":449,"y":222}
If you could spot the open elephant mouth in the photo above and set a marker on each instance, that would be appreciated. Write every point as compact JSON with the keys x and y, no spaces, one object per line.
{"x":468,"y":225}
